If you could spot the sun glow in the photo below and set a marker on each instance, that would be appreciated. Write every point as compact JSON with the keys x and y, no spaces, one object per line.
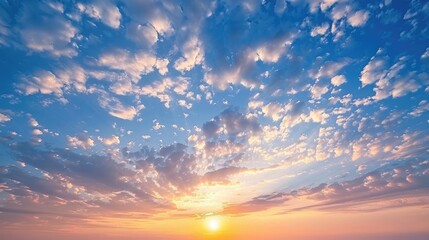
{"x":213,"y":224}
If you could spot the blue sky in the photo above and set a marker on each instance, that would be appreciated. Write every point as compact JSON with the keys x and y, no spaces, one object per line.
{"x":152,"y":102}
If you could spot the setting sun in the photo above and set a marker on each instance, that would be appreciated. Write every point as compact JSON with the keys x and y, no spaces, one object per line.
{"x":213,"y":224}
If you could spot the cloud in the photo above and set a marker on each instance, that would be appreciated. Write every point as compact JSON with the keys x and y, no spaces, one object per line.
{"x":280,"y":7}
{"x":144,"y":35}
{"x":234,"y":74}
{"x":80,"y":142}
{"x":317,"y":91}
{"x":183,"y":103}
{"x":407,"y":182}
{"x":234,"y":63}
{"x":42,"y":30}
{"x":110,"y":140}
{"x":317,"y":116}
{"x":425,"y":54}
{"x":37,"y":132}
{"x":358,"y":19}
{"x":59,"y":82}
{"x":273,"y":110}
{"x":319,"y":30}
{"x":402,"y":84}
{"x":44,"y":82}
{"x":164,"y":90}
{"x":329,"y":69}
{"x":420,"y":109}
{"x":4,"y":118}
{"x":33,"y":122}
{"x":338,"y":80}
{"x":272,"y":49}
{"x":293,"y":116}
{"x":134,"y":64}
{"x":84,"y":176}
{"x":374,"y":70}
{"x":104,"y":11}
{"x":150,"y":12}
{"x":340,"y":11}
{"x":221,"y":175}
{"x":193,"y":54}
{"x":22,"y":180}
{"x":259,"y":203}
{"x":4,"y":27}
{"x":230,"y":122}
{"x":116,"y":108}
{"x":157,"y":125}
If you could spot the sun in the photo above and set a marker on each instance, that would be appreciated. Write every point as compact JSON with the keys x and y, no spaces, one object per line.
{"x":213,"y":224}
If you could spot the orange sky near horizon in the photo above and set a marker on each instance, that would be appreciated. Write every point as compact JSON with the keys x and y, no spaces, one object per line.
{"x":397,"y":223}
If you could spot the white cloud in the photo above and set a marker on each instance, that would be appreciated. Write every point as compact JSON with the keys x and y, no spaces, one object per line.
{"x":420,"y":109}
{"x":323,"y":5}
{"x":354,"y":18}
{"x":273,"y":110}
{"x":404,"y":86}
{"x":237,"y":73}
{"x":338,"y":29}
{"x":340,"y":11}
{"x":72,"y":75}
{"x":122,"y":86}
{"x":156,"y":125}
{"x":56,"y":6}
{"x":142,"y":34}
{"x":338,"y":80}
{"x":134,"y":64}
{"x":80,"y":142}
{"x":44,"y":82}
{"x":150,"y":12}
{"x":319,"y":30}
{"x":401,"y":86}
{"x":374,"y":70}
{"x":162,"y":24}
{"x":193,"y":54}
{"x":183,"y":103}
{"x":318,"y":91}
{"x":330,"y":69}
{"x":33,"y":122}
{"x":4,"y":118}
{"x":162,"y":66}
{"x":117,"y":108}
{"x":104,"y":11}
{"x":163,"y":89}
{"x":110,"y":140}
{"x":317,"y":116}
{"x":46,"y":33}
{"x":272,"y":49}
{"x":254,"y":104}
{"x":425,"y":54}
{"x":358,"y":19}
{"x":37,"y":132}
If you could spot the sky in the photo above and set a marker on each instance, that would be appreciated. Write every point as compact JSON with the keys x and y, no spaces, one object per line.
{"x":267,"y":119}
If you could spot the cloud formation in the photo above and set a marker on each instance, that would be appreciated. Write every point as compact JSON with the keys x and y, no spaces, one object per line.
{"x":159,"y":109}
